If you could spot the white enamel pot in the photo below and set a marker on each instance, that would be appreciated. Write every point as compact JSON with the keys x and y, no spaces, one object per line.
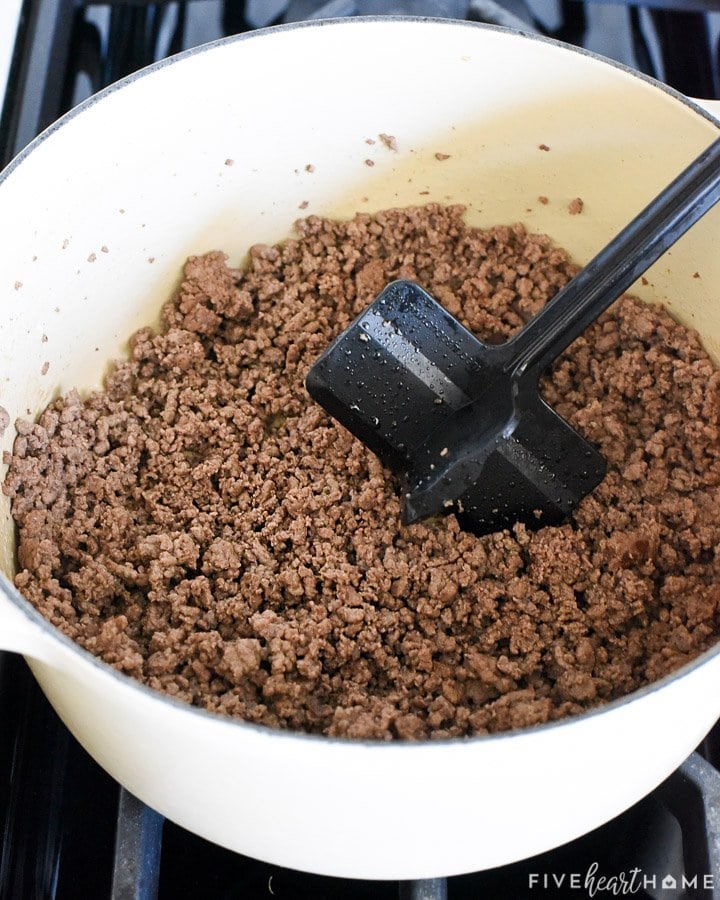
{"x":141,"y":171}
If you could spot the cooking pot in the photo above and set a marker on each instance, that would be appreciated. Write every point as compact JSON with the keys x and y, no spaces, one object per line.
{"x":218,"y":148}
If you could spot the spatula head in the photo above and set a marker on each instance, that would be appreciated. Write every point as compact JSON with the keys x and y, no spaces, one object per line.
{"x":399,"y":372}
{"x":535,"y":470}
{"x":441,"y":409}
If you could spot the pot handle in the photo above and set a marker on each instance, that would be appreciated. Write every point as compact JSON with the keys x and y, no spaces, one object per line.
{"x":18,"y":632}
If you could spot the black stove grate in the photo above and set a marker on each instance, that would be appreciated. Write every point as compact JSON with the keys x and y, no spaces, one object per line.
{"x":67,"y":831}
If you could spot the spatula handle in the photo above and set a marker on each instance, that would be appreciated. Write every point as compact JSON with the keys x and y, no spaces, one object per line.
{"x":614,"y":269}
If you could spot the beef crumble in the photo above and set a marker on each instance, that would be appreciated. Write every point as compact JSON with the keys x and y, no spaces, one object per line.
{"x":206,"y":528}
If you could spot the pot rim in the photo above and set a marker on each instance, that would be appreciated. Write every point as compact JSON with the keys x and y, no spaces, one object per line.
{"x":12,"y":595}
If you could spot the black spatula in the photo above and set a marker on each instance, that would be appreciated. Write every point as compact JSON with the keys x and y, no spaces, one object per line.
{"x":463,"y":421}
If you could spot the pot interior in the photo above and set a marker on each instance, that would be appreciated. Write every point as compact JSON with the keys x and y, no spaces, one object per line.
{"x":222,"y":148}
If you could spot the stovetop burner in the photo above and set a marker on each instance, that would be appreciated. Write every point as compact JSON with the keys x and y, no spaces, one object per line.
{"x":67,"y":830}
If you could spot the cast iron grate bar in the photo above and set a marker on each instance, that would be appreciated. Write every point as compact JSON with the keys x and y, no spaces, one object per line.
{"x":425,"y":889}
{"x":38,"y":72}
{"x":684,"y":40}
{"x":138,"y":842}
{"x":706,"y":779}
{"x":56,"y":43}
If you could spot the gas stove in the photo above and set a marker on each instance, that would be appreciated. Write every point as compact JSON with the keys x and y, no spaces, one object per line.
{"x":67,"y":830}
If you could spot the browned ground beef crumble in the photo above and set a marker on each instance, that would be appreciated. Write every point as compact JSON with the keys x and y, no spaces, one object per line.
{"x":205,"y":527}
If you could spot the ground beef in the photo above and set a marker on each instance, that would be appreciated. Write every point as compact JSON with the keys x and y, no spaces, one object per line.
{"x":203,"y":526}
